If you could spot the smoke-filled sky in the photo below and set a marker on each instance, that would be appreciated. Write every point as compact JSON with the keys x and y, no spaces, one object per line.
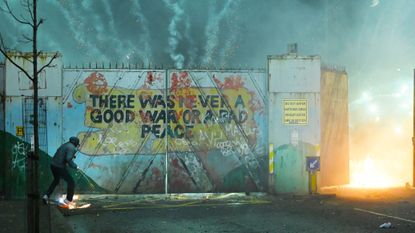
{"x":372,"y":39}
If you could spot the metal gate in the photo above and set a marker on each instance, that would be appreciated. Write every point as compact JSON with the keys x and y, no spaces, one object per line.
{"x":174,"y":131}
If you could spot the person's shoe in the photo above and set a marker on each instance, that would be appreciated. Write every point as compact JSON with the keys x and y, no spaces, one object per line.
{"x":45,"y":199}
{"x":67,"y":204}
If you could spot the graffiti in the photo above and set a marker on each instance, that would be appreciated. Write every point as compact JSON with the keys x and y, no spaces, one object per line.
{"x":230,"y":147}
{"x":189,"y":114}
{"x":234,"y":82}
{"x":19,"y":156}
{"x":256,"y":104}
{"x":225,"y":147}
{"x":180,"y":82}
{"x":152,"y":79}
{"x":251,"y":162}
{"x":211,"y":138}
{"x":233,"y":130}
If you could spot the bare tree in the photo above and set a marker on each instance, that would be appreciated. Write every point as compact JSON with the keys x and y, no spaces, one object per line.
{"x":31,"y":21}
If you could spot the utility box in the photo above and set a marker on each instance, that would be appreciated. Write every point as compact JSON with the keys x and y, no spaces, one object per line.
{"x":301,"y":118}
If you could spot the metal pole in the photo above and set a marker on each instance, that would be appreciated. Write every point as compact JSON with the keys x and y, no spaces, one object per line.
{"x":413,"y":135}
{"x":166,"y":180}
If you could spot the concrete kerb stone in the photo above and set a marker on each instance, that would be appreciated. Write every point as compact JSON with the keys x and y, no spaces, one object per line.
{"x":170,"y":197}
{"x":287,"y":196}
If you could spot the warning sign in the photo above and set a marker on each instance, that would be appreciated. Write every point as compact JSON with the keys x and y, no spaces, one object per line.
{"x":19,"y":131}
{"x":295,"y":112}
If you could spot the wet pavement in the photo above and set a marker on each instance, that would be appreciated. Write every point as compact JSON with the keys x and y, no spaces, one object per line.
{"x":13,"y":218}
{"x":245,"y":213}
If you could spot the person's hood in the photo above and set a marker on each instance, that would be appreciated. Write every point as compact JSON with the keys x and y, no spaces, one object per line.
{"x":74,"y":140}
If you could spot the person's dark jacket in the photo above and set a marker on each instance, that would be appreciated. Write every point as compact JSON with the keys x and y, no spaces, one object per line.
{"x":65,"y":155}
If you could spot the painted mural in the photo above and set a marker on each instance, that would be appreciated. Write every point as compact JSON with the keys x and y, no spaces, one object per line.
{"x":205,"y":129}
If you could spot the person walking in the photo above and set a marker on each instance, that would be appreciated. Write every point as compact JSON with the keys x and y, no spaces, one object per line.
{"x":63,"y":157}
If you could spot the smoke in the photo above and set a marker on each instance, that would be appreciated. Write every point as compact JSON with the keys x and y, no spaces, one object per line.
{"x":91,"y":31}
{"x":192,"y":50}
{"x":230,"y":46}
{"x":375,"y":3}
{"x":13,"y":36}
{"x":212,"y":30}
{"x":123,"y":46}
{"x":144,"y":40}
{"x":75,"y":23}
{"x":175,"y":36}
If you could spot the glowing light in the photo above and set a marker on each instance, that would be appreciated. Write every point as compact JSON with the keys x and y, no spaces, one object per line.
{"x":373,"y":108}
{"x":369,"y":174}
{"x":398,"y":130}
{"x":72,"y":204}
{"x":404,"y":88}
{"x":375,"y":3}
{"x":377,"y":119}
{"x":366,"y":96}
{"x":405,"y":105}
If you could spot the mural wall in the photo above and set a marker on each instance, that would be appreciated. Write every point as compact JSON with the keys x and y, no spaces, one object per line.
{"x":201,"y":131}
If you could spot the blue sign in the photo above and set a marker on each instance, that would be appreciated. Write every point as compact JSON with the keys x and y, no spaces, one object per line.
{"x":313,"y":164}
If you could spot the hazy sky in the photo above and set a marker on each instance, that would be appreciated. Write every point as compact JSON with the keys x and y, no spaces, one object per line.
{"x":372,"y":39}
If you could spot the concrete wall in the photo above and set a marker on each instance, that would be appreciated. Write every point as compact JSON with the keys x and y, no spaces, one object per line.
{"x":18,"y":106}
{"x":18,"y":84}
{"x":292,"y":73}
{"x":294,"y":118}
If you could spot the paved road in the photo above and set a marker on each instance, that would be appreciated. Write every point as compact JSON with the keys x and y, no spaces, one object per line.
{"x":247,"y":214}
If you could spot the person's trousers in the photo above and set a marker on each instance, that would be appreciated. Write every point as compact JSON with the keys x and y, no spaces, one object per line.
{"x":63,"y":173}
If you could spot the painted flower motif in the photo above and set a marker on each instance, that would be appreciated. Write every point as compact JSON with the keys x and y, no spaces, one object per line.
{"x":96,"y":83}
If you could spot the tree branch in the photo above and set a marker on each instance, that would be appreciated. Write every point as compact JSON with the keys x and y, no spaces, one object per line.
{"x":14,"y":63}
{"x":29,"y":9}
{"x":27,"y":59}
{"x":3,"y":51}
{"x":40,"y":22}
{"x":22,"y":21}
{"x":26,"y":39}
{"x":50,"y":62}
